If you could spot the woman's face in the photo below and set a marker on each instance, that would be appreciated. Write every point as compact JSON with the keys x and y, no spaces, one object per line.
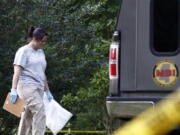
{"x":40,"y":43}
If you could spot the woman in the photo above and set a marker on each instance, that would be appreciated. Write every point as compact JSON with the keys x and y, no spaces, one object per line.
{"x":29,"y":83}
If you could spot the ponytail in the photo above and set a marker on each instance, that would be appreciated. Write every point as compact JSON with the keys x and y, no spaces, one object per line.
{"x":30,"y":32}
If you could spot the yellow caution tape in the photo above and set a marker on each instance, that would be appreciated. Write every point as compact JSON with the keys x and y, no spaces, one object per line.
{"x":79,"y":131}
{"x":155,"y":121}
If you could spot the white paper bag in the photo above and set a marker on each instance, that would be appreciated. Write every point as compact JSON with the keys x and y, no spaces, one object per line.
{"x":56,"y":115}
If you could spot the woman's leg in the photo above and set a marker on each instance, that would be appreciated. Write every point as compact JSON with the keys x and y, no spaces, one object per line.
{"x":26,"y":117}
{"x":39,"y":120}
{"x":38,"y":111}
{"x":25,"y":123}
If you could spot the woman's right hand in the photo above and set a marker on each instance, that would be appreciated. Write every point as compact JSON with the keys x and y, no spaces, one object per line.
{"x":13,"y":96}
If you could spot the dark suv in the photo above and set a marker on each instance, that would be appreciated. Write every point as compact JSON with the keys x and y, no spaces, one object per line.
{"x":144,"y":58}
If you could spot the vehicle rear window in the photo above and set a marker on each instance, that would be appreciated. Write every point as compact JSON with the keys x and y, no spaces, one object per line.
{"x":165,"y":26}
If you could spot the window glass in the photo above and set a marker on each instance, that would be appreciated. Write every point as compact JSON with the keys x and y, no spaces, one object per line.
{"x":165,"y":19}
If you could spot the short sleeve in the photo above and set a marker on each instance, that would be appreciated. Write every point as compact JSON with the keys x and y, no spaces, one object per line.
{"x":20,"y":58}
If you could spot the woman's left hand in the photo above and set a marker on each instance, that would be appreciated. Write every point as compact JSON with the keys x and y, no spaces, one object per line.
{"x":49,"y":95}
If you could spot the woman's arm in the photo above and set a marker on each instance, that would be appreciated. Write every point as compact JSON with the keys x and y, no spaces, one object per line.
{"x":13,"y":94}
{"x":48,"y":93}
{"x":46,"y":85}
{"x":17,"y":72}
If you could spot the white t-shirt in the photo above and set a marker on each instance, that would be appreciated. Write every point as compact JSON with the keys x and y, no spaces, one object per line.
{"x":34,"y":65}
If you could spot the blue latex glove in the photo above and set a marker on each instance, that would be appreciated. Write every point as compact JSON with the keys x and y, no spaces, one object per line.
{"x":13,"y":96}
{"x":49,"y":95}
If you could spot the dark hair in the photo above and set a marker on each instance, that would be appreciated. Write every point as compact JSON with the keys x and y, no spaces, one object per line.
{"x":37,"y":33}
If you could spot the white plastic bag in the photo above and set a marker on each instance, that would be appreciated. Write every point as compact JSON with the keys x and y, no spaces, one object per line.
{"x":56,"y":115}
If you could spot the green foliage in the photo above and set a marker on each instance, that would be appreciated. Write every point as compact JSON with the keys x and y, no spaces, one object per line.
{"x":77,"y":53}
{"x":88,"y":103}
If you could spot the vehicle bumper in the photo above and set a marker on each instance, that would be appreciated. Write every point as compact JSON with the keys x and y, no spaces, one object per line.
{"x":128,"y":107}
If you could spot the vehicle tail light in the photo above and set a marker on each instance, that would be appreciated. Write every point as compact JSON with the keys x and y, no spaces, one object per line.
{"x":113,"y":62}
